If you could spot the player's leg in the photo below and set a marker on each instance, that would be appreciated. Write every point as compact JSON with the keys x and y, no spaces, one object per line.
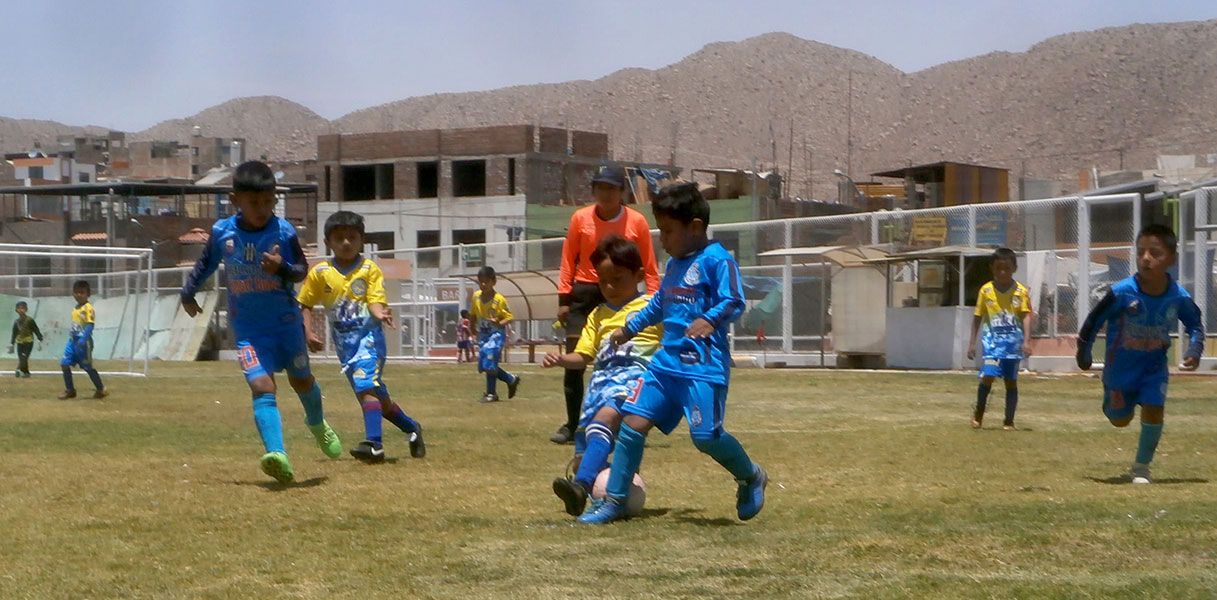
{"x":1010,"y":377}
{"x":595,"y":433}
{"x":990,"y":369}
{"x":266,"y":413}
{"x":290,"y":350}
{"x":705,"y":408}
{"x":86,"y":364}
{"x":1152,"y":398}
{"x":1118,"y":405}
{"x":572,"y":392}
{"x":65,"y":364}
{"x":23,"y":358}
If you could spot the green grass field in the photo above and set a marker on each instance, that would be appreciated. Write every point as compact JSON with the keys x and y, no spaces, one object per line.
{"x":879,"y":490}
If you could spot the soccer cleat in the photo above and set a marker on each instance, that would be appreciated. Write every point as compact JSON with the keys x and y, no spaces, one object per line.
{"x":975,"y":423}
{"x":572,"y":494}
{"x":67,"y":395}
{"x":369,"y":452}
{"x":562,"y":435}
{"x":1009,"y":427}
{"x":418,"y":448}
{"x":604,"y":512}
{"x":276,"y":465}
{"x":1140,"y":473}
{"x":102,"y":393}
{"x":512,"y":387}
{"x":327,"y":440}
{"x":490,"y":398}
{"x":750,"y":497}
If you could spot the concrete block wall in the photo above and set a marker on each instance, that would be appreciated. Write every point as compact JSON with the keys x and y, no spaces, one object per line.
{"x":405,"y":179}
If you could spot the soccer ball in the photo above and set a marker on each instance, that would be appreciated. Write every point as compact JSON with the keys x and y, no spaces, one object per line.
{"x":634,"y":501}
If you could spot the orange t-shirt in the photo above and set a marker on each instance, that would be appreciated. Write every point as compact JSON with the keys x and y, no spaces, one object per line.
{"x":586,"y":230}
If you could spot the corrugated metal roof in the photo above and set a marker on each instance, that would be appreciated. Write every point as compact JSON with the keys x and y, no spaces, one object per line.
{"x":194,"y":236}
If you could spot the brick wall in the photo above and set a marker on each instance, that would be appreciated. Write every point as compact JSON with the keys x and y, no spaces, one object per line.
{"x":405,"y":179}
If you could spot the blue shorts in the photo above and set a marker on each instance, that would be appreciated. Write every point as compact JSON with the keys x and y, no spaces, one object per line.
{"x":269,"y":352}
{"x":664,"y":399}
{"x":364,"y":368}
{"x":1005,"y":368}
{"x":464,"y":345}
{"x":610,"y":387}
{"x":77,"y":353}
{"x":1119,"y":403}
{"x":490,"y":352}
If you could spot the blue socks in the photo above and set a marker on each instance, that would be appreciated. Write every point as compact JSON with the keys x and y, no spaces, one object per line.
{"x":497,"y":375}
{"x":270,"y":426}
{"x":595,"y":457}
{"x":982,"y":398}
{"x":626,"y":459}
{"x":1011,"y":404}
{"x":371,"y":418}
{"x":311,"y":400}
{"x":94,"y":376}
{"x":67,"y":380}
{"x":491,"y":380}
{"x":727,"y":451}
{"x":1148,"y":444}
{"x":398,"y":417}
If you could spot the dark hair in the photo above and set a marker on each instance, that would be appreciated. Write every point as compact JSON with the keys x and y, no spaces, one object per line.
{"x":464,"y":314}
{"x":343,"y":218}
{"x":253,"y":176}
{"x":620,"y":251}
{"x":81,"y":284}
{"x":1004,"y":254}
{"x":487,"y":273}
{"x":21,"y":304}
{"x":681,"y":201}
{"x":1165,"y":234}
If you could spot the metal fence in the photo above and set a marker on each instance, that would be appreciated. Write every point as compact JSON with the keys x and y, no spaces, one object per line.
{"x":1071,"y":249}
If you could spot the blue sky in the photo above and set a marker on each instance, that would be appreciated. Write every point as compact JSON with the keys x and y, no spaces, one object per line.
{"x":129,"y":64}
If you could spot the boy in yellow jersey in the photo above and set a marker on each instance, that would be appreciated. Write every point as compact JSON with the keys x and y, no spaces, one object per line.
{"x":490,"y":316}
{"x":351,"y":289}
{"x":1003,"y":313}
{"x":79,"y":348}
{"x":618,"y":369}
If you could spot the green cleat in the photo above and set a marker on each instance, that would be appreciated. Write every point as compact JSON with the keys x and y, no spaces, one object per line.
{"x":327,"y":440}
{"x":275,"y":464}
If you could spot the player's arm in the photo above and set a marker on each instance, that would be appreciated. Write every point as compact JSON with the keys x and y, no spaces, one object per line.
{"x":1090,"y":329}
{"x":13,"y":339}
{"x":503,"y":312}
{"x":646,"y":247}
{"x":585,"y":349}
{"x":378,"y":300}
{"x":308,"y":298}
{"x":730,"y":301}
{"x":203,"y":268}
{"x":566,"y":270}
{"x":37,"y":332}
{"x":1189,"y":315}
{"x":295,"y":266}
{"x":1026,"y":324}
{"x":650,"y":315}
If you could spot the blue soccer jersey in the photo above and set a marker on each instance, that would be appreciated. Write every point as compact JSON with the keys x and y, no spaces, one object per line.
{"x":704,"y":285}
{"x":1139,"y":327}
{"x":258,"y":301}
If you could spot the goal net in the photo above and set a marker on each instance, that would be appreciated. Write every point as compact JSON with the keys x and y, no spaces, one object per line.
{"x":122,"y":294}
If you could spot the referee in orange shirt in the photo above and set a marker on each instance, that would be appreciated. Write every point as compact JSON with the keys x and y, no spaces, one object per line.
{"x":578,"y":286}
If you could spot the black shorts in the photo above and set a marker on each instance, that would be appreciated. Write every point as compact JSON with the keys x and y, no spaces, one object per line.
{"x":584,"y":298}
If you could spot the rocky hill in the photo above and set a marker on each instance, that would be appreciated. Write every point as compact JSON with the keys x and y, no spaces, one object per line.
{"x":1070,"y":102}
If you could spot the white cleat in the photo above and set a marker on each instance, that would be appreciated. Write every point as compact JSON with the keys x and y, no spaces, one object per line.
{"x":1140,"y":473}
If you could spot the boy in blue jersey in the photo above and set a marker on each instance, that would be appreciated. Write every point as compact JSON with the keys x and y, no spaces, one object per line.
{"x":699,"y":297}
{"x":352,"y":290}
{"x":79,"y":348}
{"x":262,"y":259}
{"x":618,"y":369}
{"x":1003,"y":314}
{"x":1140,"y":313}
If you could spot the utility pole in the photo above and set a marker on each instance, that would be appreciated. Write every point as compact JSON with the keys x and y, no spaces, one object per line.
{"x":849,"y":128}
{"x":790,"y":162}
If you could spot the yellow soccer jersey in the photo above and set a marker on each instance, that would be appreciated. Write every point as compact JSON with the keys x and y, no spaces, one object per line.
{"x":345,"y":296}
{"x":81,"y":316}
{"x":1001,"y":319}
{"x":602,"y":322}
{"x":489,"y":314}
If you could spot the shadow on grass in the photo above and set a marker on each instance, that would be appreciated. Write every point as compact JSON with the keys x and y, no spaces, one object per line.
{"x":690,"y":516}
{"x":1127,"y":480}
{"x":275,"y":486}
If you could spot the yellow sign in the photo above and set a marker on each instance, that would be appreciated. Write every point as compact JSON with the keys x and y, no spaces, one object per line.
{"x":929,"y":228}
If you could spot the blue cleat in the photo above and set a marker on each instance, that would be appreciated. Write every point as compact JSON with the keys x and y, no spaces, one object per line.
{"x":750,"y":497}
{"x":603,"y":512}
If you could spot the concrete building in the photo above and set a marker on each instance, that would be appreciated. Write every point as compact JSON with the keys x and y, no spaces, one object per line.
{"x":173,"y":160}
{"x":455,"y":186}
{"x":38,"y":168}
